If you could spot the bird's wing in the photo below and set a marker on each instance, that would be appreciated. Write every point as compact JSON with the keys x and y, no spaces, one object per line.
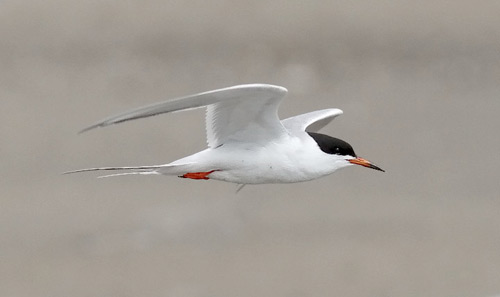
{"x":311,"y":121}
{"x":246,"y":113}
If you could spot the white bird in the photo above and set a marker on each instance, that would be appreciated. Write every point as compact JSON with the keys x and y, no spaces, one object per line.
{"x":247,"y":142}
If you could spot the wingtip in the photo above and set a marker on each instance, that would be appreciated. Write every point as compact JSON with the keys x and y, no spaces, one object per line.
{"x":282,"y":91}
{"x":335,"y":111}
{"x":89,"y":128}
{"x":276,"y":88}
{"x":84,"y":130}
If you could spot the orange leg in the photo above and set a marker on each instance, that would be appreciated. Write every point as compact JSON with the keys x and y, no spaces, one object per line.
{"x":197,"y":175}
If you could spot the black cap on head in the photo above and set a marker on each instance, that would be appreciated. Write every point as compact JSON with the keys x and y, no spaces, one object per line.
{"x":332,"y":145}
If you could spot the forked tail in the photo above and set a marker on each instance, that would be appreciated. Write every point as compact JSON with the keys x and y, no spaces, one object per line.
{"x":167,"y":169}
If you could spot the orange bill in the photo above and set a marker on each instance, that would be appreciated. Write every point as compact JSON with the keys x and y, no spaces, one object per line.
{"x":365,"y":163}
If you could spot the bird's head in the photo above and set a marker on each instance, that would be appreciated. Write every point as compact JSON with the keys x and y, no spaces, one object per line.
{"x":342,"y":150}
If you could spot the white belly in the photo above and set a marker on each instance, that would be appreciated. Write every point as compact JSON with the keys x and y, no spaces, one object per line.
{"x":270,"y":164}
{"x":291,"y":160}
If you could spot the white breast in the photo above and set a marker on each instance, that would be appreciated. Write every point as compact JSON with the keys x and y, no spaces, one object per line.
{"x":291,"y":159}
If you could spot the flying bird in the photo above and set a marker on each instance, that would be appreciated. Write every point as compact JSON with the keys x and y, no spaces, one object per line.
{"x":247,"y":142}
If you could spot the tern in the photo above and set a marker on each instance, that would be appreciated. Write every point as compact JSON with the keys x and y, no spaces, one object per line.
{"x":247,"y":142}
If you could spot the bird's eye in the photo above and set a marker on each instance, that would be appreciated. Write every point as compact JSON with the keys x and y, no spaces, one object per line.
{"x":337,"y":150}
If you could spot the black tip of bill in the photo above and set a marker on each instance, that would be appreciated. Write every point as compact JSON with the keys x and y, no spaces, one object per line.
{"x":372,"y":166}
{"x":365,"y":163}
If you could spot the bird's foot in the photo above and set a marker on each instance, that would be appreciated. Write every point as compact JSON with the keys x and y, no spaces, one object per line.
{"x":197,"y":175}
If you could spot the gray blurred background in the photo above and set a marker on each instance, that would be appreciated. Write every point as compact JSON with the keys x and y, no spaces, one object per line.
{"x":420,"y":88}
